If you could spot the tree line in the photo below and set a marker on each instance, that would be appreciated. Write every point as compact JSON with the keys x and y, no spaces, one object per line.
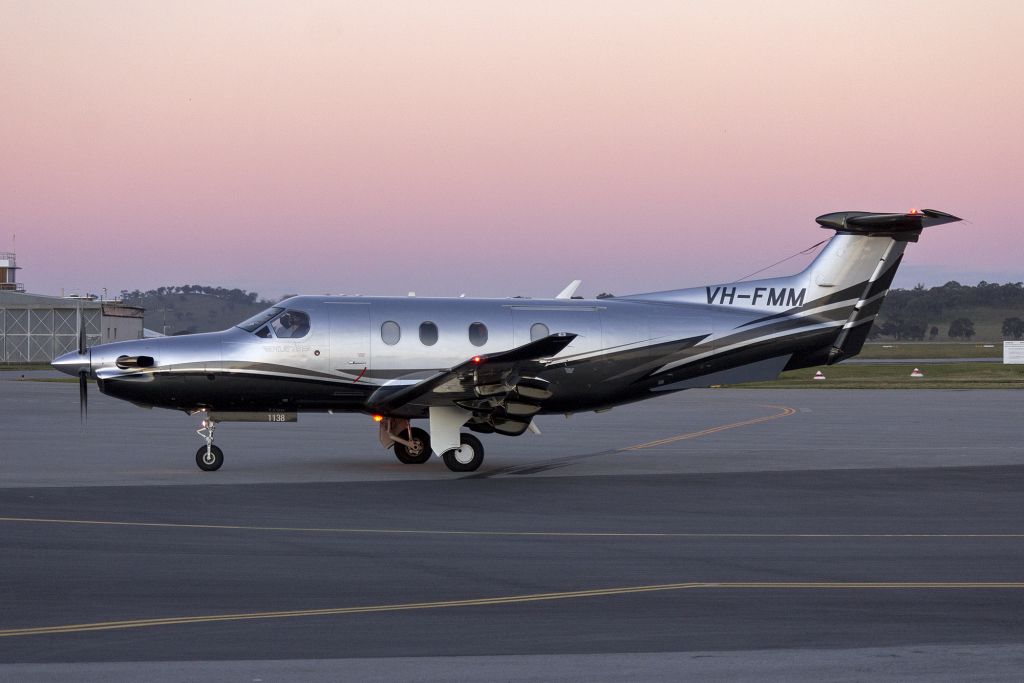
{"x":237,"y":296}
{"x":905,"y":312}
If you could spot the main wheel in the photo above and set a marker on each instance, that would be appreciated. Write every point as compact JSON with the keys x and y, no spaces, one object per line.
{"x":467,"y":458}
{"x":418,"y":450}
{"x":208,"y":462}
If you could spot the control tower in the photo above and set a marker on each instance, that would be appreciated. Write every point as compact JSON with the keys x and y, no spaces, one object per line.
{"x":8,"y":274}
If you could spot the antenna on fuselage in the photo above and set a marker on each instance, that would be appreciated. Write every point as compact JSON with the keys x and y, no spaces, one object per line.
{"x":569,"y":290}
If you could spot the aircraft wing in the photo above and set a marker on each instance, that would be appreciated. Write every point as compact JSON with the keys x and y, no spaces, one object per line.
{"x":482,"y":383}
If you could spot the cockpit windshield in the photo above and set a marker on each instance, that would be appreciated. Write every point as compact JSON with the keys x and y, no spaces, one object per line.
{"x":285,"y":324}
{"x":253,"y":323}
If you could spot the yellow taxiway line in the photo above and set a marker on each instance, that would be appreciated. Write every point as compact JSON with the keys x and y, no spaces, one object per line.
{"x":507,"y":600}
{"x":784,"y":411}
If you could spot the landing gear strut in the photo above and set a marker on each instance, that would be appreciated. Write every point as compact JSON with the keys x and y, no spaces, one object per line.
{"x":209,"y":457}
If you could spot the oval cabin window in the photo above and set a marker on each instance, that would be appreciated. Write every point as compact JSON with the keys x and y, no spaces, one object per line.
{"x":478,"y":334}
{"x":390,"y":332}
{"x":428,"y":333}
{"x":538,"y":331}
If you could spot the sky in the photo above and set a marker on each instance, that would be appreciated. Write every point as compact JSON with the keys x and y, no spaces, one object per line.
{"x":499,"y":148}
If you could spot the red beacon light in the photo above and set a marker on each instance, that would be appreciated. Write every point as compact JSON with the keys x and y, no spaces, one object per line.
{"x":914,"y":212}
{"x":378,"y":418}
{"x":478,"y":359}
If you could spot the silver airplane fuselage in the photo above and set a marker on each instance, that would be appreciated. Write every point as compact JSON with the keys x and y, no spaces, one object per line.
{"x":492,"y":364}
{"x":343,"y":358}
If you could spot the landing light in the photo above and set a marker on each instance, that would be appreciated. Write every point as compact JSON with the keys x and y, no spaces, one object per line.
{"x":378,"y":418}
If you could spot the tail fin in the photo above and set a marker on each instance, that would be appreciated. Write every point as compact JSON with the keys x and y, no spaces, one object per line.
{"x":862,"y":259}
{"x":840,"y":292}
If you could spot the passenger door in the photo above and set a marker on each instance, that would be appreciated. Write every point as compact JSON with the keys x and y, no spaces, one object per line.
{"x":350,"y":338}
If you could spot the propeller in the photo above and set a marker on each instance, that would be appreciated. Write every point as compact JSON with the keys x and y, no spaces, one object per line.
{"x":80,"y":364}
{"x":83,"y":372}
{"x":83,"y":397}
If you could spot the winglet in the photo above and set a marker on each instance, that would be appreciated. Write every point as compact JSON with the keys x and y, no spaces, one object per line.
{"x":569,"y":290}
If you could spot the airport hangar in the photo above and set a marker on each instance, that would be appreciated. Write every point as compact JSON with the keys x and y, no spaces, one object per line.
{"x":36,"y":328}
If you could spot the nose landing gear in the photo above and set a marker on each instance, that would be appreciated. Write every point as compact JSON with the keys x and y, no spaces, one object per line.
{"x":209,"y":457}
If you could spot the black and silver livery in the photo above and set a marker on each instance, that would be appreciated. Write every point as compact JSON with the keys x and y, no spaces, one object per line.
{"x":491,"y":365}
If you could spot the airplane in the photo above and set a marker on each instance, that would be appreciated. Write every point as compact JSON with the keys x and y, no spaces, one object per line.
{"x":492,"y":365}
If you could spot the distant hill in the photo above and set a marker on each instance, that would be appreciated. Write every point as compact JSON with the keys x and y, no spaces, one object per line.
{"x":186,"y":309}
{"x":927,"y":314}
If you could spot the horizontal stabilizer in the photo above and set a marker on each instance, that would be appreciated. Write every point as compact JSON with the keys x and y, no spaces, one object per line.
{"x":908,"y":225}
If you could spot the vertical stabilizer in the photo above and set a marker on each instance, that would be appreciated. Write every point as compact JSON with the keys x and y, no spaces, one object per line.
{"x":837,"y":296}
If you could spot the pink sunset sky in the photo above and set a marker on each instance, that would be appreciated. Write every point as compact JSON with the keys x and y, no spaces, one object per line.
{"x":498,"y":148}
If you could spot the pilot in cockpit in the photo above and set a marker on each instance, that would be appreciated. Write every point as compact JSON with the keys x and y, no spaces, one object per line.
{"x":283,"y":326}
{"x":293,"y":324}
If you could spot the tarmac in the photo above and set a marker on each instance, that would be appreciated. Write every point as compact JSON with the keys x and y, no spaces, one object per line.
{"x":721,"y":534}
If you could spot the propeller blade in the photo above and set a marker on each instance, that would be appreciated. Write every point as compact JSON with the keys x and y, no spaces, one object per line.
{"x":81,"y":332}
{"x":83,"y":397}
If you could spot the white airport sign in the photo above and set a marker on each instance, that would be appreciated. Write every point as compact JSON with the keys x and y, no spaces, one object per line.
{"x":1013,"y":353}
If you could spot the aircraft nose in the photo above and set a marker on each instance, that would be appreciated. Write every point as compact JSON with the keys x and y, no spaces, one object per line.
{"x":73,"y":363}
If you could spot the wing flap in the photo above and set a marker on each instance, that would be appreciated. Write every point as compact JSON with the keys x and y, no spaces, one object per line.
{"x":489,"y":372}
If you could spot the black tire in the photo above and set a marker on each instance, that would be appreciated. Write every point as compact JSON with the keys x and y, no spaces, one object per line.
{"x":420,"y":453}
{"x":465,"y":459}
{"x":211,"y":463}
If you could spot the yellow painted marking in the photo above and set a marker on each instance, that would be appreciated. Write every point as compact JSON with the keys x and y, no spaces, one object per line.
{"x":784,"y":412}
{"x":470,"y":532}
{"x":507,"y":600}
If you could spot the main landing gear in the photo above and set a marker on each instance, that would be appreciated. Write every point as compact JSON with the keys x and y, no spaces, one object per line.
{"x":413,"y":445}
{"x":209,"y":457}
{"x":416,"y":449}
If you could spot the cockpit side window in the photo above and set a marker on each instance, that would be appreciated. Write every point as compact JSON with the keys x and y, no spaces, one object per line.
{"x":263,"y":332}
{"x":291,"y":324}
{"x":254,"y":323}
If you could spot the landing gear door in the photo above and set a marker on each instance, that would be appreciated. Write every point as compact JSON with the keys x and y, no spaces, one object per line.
{"x":350,"y":339}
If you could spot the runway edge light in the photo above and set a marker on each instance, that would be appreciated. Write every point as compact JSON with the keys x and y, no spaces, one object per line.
{"x":819,"y":375}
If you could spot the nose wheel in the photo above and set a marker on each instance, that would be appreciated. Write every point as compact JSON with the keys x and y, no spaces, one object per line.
{"x":208,"y":457}
{"x":468,"y":457}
